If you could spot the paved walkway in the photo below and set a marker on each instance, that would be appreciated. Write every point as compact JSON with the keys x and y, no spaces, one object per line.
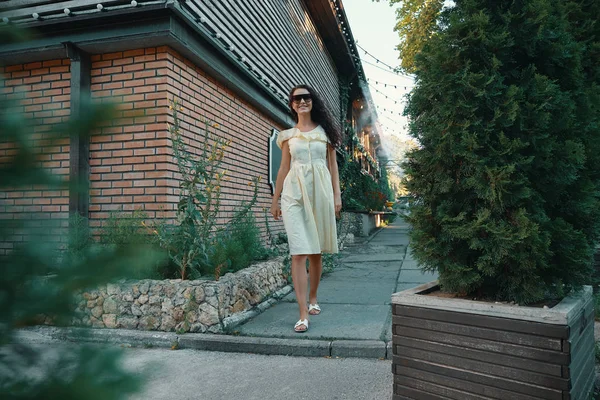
{"x":355,"y":321}
{"x":355,"y":297}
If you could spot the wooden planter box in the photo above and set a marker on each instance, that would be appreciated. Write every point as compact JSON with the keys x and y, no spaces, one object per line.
{"x":448,"y":348}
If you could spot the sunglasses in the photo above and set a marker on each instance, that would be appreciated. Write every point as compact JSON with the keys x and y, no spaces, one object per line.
{"x":297,"y":98}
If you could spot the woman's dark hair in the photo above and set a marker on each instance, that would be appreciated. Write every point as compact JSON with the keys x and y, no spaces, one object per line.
{"x":319,"y":114}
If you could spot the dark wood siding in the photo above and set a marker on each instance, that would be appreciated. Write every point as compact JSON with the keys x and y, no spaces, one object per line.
{"x":276,"y":39}
{"x":440,"y":354}
{"x":22,"y":11}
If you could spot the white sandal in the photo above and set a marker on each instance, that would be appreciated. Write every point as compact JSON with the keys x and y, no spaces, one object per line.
{"x":299,"y":324}
{"x":314,"y":307}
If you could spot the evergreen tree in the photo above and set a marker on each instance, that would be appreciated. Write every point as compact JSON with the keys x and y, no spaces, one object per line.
{"x":40,"y":280}
{"x":506,"y":178}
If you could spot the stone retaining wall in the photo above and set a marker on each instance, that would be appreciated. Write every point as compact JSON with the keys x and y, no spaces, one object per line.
{"x":176,"y":305}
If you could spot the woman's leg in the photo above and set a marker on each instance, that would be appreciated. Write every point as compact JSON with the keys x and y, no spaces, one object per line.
{"x":300,"y":282}
{"x":315,"y":269}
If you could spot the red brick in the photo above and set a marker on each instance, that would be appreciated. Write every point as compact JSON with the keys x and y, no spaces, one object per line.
{"x":122,"y":168}
{"x":13,"y":68}
{"x":112,"y":192}
{"x":134,"y":83}
{"x":21,"y":74}
{"x":133,"y":175}
{"x":100,"y":79}
{"x":145,"y":89}
{"x":133,"y":67}
{"x":112,"y":70}
{"x":133,"y":53}
{"x":122,"y":92}
{"x":52,"y":63}
{"x":134,"y":97}
{"x":51,"y":77}
{"x":122,"y":184}
{"x":145,"y":58}
{"x":144,"y":152}
{"x":144,"y":183}
{"x":122,"y":77}
{"x":134,"y":191}
{"x":143,"y":199}
{"x":112,"y":85}
{"x":61,"y":69}
{"x":61,"y":84}
{"x":112,"y":56}
{"x":40,"y":86}
{"x":123,"y":61}
{"x":112,"y":176}
{"x":122,"y":137}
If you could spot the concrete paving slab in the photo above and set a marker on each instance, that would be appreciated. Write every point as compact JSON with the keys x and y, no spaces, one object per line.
{"x":358,"y":348}
{"x":352,"y":291}
{"x":389,"y":351}
{"x":410,"y":264}
{"x":405,"y":286}
{"x":380,"y":270}
{"x":387,"y":328}
{"x":390,"y":240}
{"x":122,"y":337}
{"x":256,"y":345}
{"x":336,"y":321}
{"x":416,"y":276}
{"x":362,"y":258}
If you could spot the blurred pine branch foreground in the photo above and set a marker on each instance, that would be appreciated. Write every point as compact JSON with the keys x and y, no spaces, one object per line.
{"x":40,"y":278}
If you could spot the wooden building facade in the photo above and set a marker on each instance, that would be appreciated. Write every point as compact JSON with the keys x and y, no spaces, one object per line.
{"x":232,"y":62}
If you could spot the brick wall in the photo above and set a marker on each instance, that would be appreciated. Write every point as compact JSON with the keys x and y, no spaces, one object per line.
{"x":41,"y":91}
{"x":131,"y":166}
{"x":203,"y":98}
{"x":131,"y":160}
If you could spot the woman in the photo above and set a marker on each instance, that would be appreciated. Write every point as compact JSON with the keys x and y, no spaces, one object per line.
{"x":308,"y":183}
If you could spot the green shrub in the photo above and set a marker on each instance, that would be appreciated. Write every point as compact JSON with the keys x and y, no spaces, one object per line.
{"x":237,"y":246}
{"x":35,"y":282}
{"x":506,"y":108}
{"x":195,"y":244}
{"x":125,"y":228}
{"x":360,"y":191}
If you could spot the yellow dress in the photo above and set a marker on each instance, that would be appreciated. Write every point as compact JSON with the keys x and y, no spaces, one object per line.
{"x":307,"y":205}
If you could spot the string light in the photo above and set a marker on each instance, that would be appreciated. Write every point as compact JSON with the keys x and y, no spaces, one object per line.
{"x":379,"y":61}
{"x":384,"y":95}
{"x":394,"y":85}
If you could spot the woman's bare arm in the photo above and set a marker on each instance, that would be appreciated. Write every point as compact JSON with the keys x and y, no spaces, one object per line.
{"x":284,"y":169}
{"x":335,"y":178}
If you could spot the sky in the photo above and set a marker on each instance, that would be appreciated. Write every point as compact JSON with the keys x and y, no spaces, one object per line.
{"x":372,"y":25}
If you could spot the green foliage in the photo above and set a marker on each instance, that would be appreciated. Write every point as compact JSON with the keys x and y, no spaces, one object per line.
{"x":505,"y":179}
{"x":597,"y":305}
{"x":80,"y":238}
{"x":416,"y":23}
{"x":36,"y":282}
{"x":188,"y":240}
{"x":239,"y":243}
{"x":124,"y":228}
{"x":360,"y":191}
{"x":195,"y":244}
{"x":384,"y":186}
